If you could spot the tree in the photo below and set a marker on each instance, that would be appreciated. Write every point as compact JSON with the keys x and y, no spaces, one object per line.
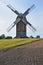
{"x":2,"y":36}
{"x":31,"y":36}
{"x":8,"y":37}
{"x":38,"y":36}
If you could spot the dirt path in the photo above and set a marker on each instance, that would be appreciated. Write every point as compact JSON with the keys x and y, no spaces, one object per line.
{"x":30,"y":54}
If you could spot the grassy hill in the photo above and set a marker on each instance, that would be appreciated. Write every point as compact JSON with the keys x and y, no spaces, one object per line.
{"x":8,"y":43}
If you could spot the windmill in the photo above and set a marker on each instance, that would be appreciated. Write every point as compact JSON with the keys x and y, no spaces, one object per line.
{"x":21,"y":22}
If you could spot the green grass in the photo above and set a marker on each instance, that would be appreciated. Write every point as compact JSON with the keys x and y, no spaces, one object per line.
{"x":8,"y":43}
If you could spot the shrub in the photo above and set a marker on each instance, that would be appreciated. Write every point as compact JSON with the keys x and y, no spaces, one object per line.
{"x":31,"y":36}
{"x":8,"y":37}
{"x":37,"y":36}
{"x":2,"y":36}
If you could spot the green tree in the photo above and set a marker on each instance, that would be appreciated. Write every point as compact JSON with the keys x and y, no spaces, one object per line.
{"x":38,"y":36}
{"x":2,"y":36}
{"x":8,"y":37}
{"x":31,"y":36}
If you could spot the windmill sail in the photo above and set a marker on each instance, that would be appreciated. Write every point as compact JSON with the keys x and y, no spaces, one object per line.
{"x":28,"y":10}
{"x":13,"y":24}
{"x":15,"y":11}
{"x":31,"y":27}
{"x":10,"y":27}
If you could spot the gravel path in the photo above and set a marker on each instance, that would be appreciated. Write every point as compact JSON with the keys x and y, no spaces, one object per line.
{"x":30,"y":54}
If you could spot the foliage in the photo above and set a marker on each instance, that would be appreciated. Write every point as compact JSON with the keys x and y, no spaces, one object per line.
{"x":2,"y":36}
{"x":37,"y":36}
{"x":31,"y":36}
{"x":8,"y":37}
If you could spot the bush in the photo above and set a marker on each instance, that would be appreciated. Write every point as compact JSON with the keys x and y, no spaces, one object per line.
{"x":37,"y":36}
{"x":8,"y":37}
{"x":31,"y":36}
{"x":2,"y":36}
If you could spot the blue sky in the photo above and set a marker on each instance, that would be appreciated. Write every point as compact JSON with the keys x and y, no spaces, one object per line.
{"x":35,"y":17}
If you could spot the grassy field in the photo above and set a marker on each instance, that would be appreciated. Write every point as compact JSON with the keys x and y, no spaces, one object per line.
{"x":8,"y":43}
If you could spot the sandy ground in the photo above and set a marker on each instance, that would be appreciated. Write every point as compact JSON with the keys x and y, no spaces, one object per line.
{"x":30,"y":54}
